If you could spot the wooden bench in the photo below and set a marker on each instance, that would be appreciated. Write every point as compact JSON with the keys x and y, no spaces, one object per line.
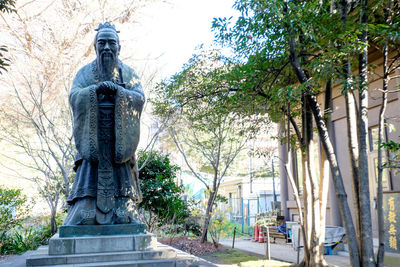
{"x":274,"y":233}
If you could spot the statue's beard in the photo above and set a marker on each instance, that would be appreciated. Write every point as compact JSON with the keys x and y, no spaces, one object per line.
{"x":107,"y":66}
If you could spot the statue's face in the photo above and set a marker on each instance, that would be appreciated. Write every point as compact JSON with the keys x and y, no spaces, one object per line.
{"x":107,"y":45}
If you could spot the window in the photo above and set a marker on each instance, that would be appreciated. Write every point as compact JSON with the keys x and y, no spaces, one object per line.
{"x":373,"y":138}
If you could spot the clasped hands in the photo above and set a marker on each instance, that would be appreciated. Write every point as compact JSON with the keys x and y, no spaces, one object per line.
{"x":106,"y":88}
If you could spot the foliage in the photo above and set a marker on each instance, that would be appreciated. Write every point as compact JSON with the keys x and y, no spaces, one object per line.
{"x":4,"y":62}
{"x":216,"y":225}
{"x":5,"y":6}
{"x":192,"y":225}
{"x":15,"y":238}
{"x":13,"y":209}
{"x":218,"y":220}
{"x":261,"y":74}
{"x":201,"y":120}
{"x":22,"y":239}
{"x":393,"y":161}
{"x":260,"y":39}
{"x":201,"y":93}
{"x":162,"y":198}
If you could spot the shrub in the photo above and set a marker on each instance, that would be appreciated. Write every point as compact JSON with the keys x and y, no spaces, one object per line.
{"x":192,"y":225}
{"x":13,"y":209}
{"x":218,"y":219}
{"x":162,"y":198}
{"x":21,"y":239}
{"x":15,"y":237}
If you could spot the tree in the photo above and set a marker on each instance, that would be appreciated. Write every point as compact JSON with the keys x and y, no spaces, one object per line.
{"x":204,"y":131}
{"x":45,"y":137}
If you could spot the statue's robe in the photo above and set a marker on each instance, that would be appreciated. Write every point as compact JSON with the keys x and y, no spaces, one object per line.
{"x":129,"y":103}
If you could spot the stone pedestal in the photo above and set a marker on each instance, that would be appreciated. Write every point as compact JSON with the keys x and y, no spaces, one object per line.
{"x":109,"y":249}
{"x":100,"y":230}
{"x":99,"y":244}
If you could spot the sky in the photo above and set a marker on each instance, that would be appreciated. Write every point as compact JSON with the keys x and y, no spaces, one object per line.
{"x":167,"y":34}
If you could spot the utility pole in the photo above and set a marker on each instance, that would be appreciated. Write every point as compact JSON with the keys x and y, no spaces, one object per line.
{"x":273,"y":182}
{"x":251,"y":165}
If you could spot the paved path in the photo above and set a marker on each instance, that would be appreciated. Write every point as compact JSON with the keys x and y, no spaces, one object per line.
{"x":283,"y":252}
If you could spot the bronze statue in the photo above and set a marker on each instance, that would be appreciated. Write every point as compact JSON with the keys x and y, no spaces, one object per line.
{"x":107,"y":101}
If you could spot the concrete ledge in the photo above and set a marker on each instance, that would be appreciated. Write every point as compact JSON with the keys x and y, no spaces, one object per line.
{"x":100,"y":244}
{"x":101,"y":230}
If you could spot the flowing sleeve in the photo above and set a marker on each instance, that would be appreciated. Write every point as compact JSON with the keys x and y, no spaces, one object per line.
{"x":128,"y":109}
{"x":83,"y":101}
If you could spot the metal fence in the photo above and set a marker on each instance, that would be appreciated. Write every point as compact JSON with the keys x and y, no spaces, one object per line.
{"x":243,"y":211}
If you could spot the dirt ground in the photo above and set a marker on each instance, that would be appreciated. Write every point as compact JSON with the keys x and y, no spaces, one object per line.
{"x":193,"y":246}
{"x":220,"y":254}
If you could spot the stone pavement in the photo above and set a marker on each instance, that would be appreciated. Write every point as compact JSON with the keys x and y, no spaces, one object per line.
{"x":283,"y":252}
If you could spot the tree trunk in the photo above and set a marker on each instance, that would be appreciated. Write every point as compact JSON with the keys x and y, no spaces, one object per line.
{"x":381,"y":226}
{"x":307,"y":190}
{"x":316,"y":254}
{"x":295,"y":185}
{"x":351,"y":121}
{"x":207,"y":217}
{"x":53,"y":222}
{"x":324,"y":183}
{"x":352,"y":142}
{"x":367,"y":251}
{"x":311,"y":192}
{"x":295,"y":191}
{"x":66,"y":181}
{"x":297,"y":199}
{"x":338,"y":182}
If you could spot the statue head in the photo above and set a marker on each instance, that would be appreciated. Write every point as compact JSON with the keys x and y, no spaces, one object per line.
{"x":107,"y":47}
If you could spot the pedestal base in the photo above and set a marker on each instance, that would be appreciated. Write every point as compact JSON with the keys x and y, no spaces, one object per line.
{"x":111,"y":250}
